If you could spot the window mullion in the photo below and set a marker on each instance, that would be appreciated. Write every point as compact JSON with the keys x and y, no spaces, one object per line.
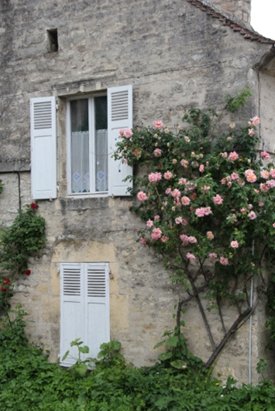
{"x":69,"y":155}
{"x":92,"y":144}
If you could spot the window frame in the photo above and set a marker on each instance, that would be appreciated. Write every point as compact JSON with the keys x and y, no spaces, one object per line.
{"x":91,"y":121}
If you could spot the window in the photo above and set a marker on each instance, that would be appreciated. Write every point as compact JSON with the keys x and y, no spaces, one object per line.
{"x":84,"y":307}
{"x":88,"y":145}
{"x":93,"y":125}
{"x":52,"y":40}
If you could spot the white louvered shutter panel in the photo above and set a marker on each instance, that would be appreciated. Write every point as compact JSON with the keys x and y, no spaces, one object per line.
{"x":72,"y":310}
{"x":120,"y":116}
{"x":43,"y":147}
{"x":98,"y":322}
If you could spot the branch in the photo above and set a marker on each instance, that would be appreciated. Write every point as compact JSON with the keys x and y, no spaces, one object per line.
{"x":218,"y":299}
{"x":201,"y":308}
{"x":233,"y":329}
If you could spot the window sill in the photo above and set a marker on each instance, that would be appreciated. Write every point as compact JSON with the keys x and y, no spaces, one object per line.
{"x":88,"y":195}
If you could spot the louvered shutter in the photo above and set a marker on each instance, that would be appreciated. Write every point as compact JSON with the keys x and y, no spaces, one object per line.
{"x":43,"y":147}
{"x":84,"y":308}
{"x":120,"y":116}
{"x":98,"y":323}
{"x":72,"y":310}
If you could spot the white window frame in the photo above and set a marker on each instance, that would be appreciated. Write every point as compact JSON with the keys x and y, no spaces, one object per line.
{"x":91,"y":119}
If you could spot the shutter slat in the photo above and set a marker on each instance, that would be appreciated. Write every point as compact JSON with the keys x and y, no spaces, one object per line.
{"x":96,"y":282}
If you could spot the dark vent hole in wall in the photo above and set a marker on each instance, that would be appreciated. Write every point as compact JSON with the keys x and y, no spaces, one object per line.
{"x":52,"y":40}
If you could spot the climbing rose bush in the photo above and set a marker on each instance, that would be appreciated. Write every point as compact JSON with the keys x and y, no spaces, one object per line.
{"x":207,"y":201}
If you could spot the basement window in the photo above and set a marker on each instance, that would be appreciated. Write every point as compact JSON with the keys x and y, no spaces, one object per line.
{"x":52,"y":40}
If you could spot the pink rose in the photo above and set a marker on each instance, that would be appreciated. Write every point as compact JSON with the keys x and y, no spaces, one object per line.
{"x":265,"y":174}
{"x":158,"y":124}
{"x":184,"y":239}
{"x":252,"y":215}
{"x":190,"y":257}
{"x":185,"y":201}
{"x":168,"y":191}
{"x":265,"y":155}
{"x":149,"y":223}
{"x":272,"y":172}
{"x":250,"y":176}
{"x":182,"y":181}
{"x":233,"y":156}
{"x":164,"y":239}
{"x":156,"y":234}
{"x":154,"y":177}
{"x":201,"y":168}
{"x":212,"y":256}
{"x":234,"y":244}
{"x":126,"y":132}
{"x":141,"y":196}
{"x":167,"y":175}
{"x":210,"y":235}
{"x":254,"y":121}
{"x":264,"y":187}
{"x":270,"y":183}
{"x":217,"y":199}
{"x":157,"y":152}
{"x":224,"y":260}
{"x":273,"y":225}
{"x":192,"y":240}
{"x":178,"y":220}
{"x":251,"y":132}
{"x":175,"y":193}
{"x":234,"y":176}
{"x":203,"y":211}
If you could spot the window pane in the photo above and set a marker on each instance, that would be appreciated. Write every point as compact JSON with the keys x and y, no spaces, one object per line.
{"x":101,"y":113}
{"x":79,"y":115}
{"x":101,"y":144}
{"x":80,"y":175}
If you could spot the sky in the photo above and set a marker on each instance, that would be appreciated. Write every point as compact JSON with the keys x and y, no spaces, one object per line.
{"x":263,"y":17}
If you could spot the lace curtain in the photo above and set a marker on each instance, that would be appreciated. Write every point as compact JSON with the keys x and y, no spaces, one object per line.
{"x":80,"y":161}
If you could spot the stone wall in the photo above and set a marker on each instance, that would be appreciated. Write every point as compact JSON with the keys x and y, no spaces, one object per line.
{"x":240,"y":9}
{"x":175,"y":56}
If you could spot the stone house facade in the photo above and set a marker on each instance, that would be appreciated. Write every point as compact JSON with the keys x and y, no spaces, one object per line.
{"x":87,"y":69}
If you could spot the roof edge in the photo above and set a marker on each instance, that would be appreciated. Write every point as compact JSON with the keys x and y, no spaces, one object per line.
{"x":247,"y":33}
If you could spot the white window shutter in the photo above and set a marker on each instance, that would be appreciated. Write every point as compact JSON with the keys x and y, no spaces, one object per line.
{"x":120,"y":116}
{"x":98,"y":311}
{"x":43,"y":147}
{"x":72,"y":311}
{"x":85,"y":311}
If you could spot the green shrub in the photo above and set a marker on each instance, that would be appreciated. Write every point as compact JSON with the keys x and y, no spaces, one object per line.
{"x":28,"y":382}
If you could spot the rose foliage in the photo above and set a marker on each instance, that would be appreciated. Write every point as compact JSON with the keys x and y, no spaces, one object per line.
{"x":207,"y":201}
{"x":18,"y":243}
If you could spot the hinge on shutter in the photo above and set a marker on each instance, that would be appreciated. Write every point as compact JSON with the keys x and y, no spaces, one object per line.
{"x":111,"y":276}
{"x":56,"y":104}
